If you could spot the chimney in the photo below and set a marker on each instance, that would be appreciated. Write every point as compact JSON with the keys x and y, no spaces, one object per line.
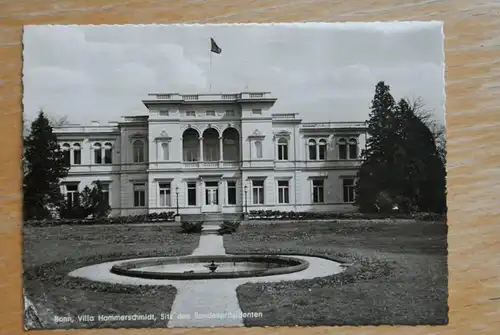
{"x":95,"y":123}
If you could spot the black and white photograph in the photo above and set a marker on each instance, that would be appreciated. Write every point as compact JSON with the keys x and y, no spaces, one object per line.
{"x":234,"y":175}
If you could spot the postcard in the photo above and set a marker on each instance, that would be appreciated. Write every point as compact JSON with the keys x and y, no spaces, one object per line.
{"x":234,"y":175}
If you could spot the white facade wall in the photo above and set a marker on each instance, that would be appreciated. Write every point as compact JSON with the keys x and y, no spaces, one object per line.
{"x":251,"y":115}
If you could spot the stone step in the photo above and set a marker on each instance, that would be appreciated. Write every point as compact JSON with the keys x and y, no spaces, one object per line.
{"x":211,"y":217}
{"x":210,"y":229}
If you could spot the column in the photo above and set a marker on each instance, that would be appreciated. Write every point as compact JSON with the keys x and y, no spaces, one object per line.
{"x":202,"y":195}
{"x":222,"y":193}
{"x":221,"y":155}
{"x":201,"y":149}
{"x":157,"y":152}
{"x":182,"y":150}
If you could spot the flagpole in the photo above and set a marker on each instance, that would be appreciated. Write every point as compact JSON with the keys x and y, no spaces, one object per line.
{"x":210,"y":73}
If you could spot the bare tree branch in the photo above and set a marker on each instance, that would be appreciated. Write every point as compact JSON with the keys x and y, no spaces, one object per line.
{"x":438,"y":130}
{"x":58,"y":121}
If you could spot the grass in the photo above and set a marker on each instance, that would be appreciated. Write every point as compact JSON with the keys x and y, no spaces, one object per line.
{"x":51,"y":252}
{"x":399,"y":274}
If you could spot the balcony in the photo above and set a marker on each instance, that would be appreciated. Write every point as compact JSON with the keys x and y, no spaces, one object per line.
{"x":210,"y":96}
{"x":211,"y":165}
{"x":334,"y":125}
{"x":333,"y":163}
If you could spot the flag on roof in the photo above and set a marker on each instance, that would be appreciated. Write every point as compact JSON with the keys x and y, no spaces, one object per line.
{"x":214,"y":47}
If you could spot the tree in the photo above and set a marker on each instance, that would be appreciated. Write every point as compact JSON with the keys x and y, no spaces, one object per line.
{"x":403,"y":163}
{"x":44,"y":167}
{"x":99,"y":202}
{"x":92,"y":203}
{"x":379,"y":151}
{"x":54,"y":121}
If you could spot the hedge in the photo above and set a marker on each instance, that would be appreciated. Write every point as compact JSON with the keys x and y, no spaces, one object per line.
{"x":228,"y":227}
{"x":284,"y":215}
{"x":146,"y":218}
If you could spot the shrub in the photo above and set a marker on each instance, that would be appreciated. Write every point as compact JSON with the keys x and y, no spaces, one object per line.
{"x":429,"y":216}
{"x":229,"y":227}
{"x":191,"y":227}
{"x":283,"y":215}
{"x":153,"y":217}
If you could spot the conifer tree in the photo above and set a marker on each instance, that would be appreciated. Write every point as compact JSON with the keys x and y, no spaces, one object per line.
{"x":44,"y":166}
{"x":402,"y":163}
{"x":379,"y":150}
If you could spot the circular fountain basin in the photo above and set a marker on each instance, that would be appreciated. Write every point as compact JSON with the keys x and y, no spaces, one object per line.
{"x":197,"y":267}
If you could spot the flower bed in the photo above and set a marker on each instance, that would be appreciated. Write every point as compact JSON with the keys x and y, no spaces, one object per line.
{"x":191,"y":227}
{"x":147,"y":218}
{"x":228,"y":227}
{"x":284,"y":215}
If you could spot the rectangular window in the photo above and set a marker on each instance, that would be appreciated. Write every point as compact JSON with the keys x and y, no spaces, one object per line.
{"x":229,"y":113}
{"x":257,"y":111}
{"x":231,"y":193}
{"x":67,"y":157}
{"x":342,"y":151}
{"x":98,"y":156}
{"x":191,"y":190}
{"x":164,"y":113}
{"x":191,"y":113}
{"x":322,"y":151}
{"x":348,"y":188}
{"x":258,"y":192}
{"x":77,"y":157}
{"x":105,"y":193}
{"x":210,"y":113}
{"x":353,"y":151}
{"x":139,"y":195}
{"x":318,"y":191}
{"x":108,"y":153}
{"x":282,"y":150}
{"x":164,"y":194}
{"x":138,"y":151}
{"x":72,"y":195}
{"x":283,"y":192}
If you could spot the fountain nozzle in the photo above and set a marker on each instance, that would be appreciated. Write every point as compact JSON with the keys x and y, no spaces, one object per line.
{"x":212,"y":266}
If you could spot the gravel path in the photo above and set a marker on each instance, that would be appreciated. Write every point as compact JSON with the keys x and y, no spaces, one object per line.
{"x":208,"y":303}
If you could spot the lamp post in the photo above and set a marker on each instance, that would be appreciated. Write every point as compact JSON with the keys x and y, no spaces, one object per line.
{"x":177,"y":199}
{"x":246,"y":204}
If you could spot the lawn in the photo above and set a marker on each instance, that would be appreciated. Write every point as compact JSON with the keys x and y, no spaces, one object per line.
{"x":52,"y":252}
{"x":399,"y":273}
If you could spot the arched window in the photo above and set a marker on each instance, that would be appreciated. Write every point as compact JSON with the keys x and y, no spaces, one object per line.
{"x":108,"y":153}
{"x":282,"y":149}
{"x":66,"y":154}
{"x":97,"y":153}
{"x":77,"y":154}
{"x":322,"y":149}
{"x":165,"y":152}
{"x":138,"y":151}
{"x":342,"y":144}
{"x":353,"y":148}
{"x":230,"y":145}
{"x":191,"y":145}
{"x":258,"y":149}
{"x":312,"y":149}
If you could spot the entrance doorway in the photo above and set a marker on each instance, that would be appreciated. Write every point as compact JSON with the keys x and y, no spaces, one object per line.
{"x":211,"y":196}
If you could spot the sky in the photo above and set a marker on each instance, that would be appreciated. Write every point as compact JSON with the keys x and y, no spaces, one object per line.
{"x":325,"y":72}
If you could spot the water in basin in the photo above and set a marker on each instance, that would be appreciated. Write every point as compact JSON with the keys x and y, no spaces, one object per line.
{"x":202,"y":267}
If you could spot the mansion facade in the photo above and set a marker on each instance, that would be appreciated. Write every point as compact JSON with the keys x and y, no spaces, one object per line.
{"x":215,"y":153}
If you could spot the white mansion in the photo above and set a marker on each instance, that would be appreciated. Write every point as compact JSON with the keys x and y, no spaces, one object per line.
{"x":225,"y":153}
